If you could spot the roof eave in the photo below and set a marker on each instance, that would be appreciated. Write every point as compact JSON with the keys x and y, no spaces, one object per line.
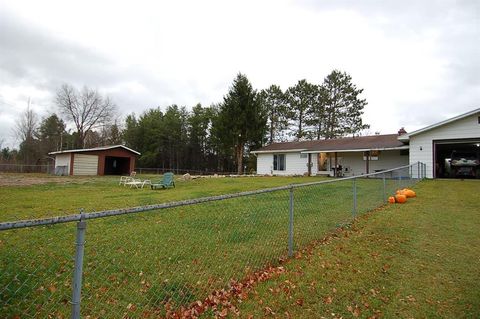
{"x":94,"y":149}
{"x":279,"y":151}
{"x":404,"y":147}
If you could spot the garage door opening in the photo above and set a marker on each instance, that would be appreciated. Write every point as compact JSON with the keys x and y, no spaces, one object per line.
{"x":117,"y":165}
{"x":457,"y":159}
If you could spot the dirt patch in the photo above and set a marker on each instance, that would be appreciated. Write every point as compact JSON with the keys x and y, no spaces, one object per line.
{"x":13,"y":179}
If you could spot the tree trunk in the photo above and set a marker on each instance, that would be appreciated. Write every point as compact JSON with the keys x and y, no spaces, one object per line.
{"x":80,"y":139}
{"x":300,"y":120}
{"x":239,"y":155}
{"x":271,"y":132}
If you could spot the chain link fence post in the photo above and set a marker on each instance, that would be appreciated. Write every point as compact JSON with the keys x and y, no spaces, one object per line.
{"x":399,"y":181}
{"x":77,"y":275}
{"x":384,"y":188}
{"x":354,"y":186}
{"x":290,"y":226}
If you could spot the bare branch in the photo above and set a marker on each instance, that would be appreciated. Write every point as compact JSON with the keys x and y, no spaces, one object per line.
{"x":26,"y":125}
{"x":87,"y":109}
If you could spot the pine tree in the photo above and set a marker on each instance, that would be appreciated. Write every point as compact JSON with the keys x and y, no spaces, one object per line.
{"x":343,"y":107}
{"x":275,"y":104}
{"x":52,"y":134}
{"x":301,"y":99}
{"x":241,"y":120}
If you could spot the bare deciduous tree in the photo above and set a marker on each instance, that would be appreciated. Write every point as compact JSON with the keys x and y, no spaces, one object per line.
{"x":26,"y":125}
{"x":25,"y":130}
{"x":87,"y":109}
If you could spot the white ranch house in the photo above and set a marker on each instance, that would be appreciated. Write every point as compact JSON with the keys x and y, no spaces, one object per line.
{"x":431,"y":145}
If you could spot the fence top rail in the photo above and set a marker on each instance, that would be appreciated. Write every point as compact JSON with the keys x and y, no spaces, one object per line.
{"x":139,"y":209}
{"x":29,"y":165}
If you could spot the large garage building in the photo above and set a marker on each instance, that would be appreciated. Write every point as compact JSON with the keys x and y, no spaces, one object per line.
{"x":105,"y":160}
{"x":438,"y":144}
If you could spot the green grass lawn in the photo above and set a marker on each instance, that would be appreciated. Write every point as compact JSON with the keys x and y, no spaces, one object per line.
{"x":100,"y":193}
{"x":140,"y":259}
{"x":135,"y":264}
{"x":417,"y":260}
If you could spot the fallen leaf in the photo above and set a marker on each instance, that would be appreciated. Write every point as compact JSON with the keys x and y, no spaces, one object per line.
{"x":223,"y":313}
{"x":328,"y":300}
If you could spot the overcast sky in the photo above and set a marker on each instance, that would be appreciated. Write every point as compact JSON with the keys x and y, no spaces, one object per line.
{"x":417,"y":61}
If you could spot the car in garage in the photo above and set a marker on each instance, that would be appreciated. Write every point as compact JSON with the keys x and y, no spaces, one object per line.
{"x":464,"y":164}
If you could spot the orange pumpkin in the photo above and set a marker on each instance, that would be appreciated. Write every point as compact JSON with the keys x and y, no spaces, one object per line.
{"x":399,"y":198}
{"x":409,"y":193}
{"x":400,"y":192}
{"x":391,"y":200}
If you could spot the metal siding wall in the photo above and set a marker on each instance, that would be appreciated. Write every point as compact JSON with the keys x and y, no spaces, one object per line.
{"x":85,"y":164}
{"x":461,"y":129}
{"x":63,"y":160}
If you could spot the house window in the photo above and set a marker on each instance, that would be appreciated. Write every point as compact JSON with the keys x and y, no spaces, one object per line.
{"x":279,"y":162}
{"x":303,"y":155}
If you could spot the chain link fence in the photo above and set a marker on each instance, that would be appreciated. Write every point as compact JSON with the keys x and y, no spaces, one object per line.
{"x":159,"y":260}
{"x":180,"y":171}
{"x":23,"y":168}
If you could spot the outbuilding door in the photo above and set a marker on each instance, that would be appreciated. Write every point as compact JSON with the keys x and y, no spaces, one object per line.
{"x":85,"y":164}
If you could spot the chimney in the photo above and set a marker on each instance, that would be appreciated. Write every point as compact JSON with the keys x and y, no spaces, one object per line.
{"x":402,"y":131}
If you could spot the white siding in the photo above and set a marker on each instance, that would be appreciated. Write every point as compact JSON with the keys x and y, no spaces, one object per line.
{"x":464,"y":128}
{"x":294,"y":165}
{"x":63,"y":160}
{"x":85,"y":164}
{"x":357,"y":166}
{"x":264,"y":164}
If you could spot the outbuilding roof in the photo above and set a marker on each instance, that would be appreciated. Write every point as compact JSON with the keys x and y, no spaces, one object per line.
{"x":346,"y":144}
{"x":101,"y":148}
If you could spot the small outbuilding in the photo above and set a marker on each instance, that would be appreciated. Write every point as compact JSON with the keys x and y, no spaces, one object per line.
{"x":105,"y":160}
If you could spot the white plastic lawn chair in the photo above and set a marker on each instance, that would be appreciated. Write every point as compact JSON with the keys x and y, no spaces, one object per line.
{"x":137,"y":183}
{"x":126,"y":179}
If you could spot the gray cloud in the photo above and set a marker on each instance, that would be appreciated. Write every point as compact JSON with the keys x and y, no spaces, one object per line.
{"x":34,"y":57}
{"x":455,"y":25}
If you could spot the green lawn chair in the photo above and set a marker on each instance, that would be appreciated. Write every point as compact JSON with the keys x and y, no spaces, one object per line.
{"x":167,"y":181}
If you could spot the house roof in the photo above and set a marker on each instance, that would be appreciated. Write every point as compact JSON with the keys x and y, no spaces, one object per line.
{"x":101,"y":148}
{"x":346,"y":144}
{"x":406,"y":137}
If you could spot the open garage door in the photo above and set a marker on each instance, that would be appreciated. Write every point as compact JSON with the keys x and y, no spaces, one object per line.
{"x":457,"y":158}
{"x":117,"y":165}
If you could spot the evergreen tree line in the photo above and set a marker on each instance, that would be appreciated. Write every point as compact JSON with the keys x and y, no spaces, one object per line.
{"x":214,"y":138}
